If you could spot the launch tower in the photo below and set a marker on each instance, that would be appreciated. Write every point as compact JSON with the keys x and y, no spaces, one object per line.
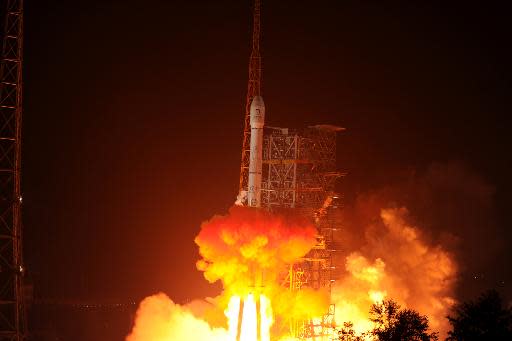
{"x":297,"y":171}
{"x":12,"y":309}
{"x":253,"y":89}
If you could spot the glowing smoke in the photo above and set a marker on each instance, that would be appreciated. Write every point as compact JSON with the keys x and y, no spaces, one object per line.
{"x":160,"y":319}
{"x":389,"y":255}
{"x":250,"y":249}
{"x":247,"y":250}
{"x":247,"y":242}
{"x":396,"y":262}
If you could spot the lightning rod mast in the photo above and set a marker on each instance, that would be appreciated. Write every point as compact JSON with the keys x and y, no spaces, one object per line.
{"x":253,"y":89}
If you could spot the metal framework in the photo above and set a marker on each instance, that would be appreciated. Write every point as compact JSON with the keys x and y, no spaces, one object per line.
{"x":317,"y":270}
{"x":253,"y":89}
{"x":299,"y":173}
{"x":319,"y":328}
{"x":299,"y":167}
{"x":12,"y":309}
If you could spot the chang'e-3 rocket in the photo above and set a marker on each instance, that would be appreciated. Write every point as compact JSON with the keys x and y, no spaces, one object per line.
{"x":257,"y":120}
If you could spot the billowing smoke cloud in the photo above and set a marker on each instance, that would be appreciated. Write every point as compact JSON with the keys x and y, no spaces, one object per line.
{"x":160,"y":319}
{"x":251,"y":248}
{"x":411,"y":240}
{"x":397,"y":241}
{"x":396,"y":262}
{"x":454,"y":207}
{"x":247,"y":243}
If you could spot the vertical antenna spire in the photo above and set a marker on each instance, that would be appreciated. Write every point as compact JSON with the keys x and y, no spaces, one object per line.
{"x":254,"y":86}
{"x":253,"y":89}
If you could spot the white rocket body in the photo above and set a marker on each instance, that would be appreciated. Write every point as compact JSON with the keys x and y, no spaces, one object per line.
{"x":257,"y":118}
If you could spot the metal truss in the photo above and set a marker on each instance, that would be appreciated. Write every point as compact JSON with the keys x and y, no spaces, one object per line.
{"x":320,"y":328}
{"x":317,"y":270}
{"x":300,"y":173}
{"x":253,"y":89}
{"x":12,"y":309}
{"x":299,"y":167}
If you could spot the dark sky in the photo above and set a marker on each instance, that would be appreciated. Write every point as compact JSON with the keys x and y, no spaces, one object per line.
{"x":133,"y":119}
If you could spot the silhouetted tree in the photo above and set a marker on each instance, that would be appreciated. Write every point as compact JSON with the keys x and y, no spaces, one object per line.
{"x":347,"y":333}
{"x":395,"y":324}
{"x":483,"y":319}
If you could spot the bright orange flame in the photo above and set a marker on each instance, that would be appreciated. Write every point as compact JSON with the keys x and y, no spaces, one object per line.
{"x":232,"y":312}
{"x":249,"y":326}
{"x":248,"y":249}
{"x":266,"y":318}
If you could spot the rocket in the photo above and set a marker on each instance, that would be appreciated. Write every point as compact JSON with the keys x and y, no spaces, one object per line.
{"x":257,"y":120}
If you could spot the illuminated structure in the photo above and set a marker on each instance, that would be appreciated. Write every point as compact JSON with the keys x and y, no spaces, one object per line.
{"x":12,"y":309}
{"x":253,"y":89}
{"x":299,"y":173}
{"x":257,"y":111}
{"x":299,"y":167}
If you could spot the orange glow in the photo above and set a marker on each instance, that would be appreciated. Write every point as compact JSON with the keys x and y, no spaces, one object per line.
{"x":249,"y":325}
{"x":396,"y":263}
{"x":266,"y":318}
{"x":247,"y":250}
{"x":232,"y":313}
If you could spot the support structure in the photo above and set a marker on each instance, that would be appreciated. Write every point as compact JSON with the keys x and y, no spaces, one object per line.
{"x":12,"y":309}
{"x":253,"y":89}
{"x":297,"y":171}
{"x":299,"y":167}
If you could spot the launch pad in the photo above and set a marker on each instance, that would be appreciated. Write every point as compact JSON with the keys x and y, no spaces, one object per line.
{"x":294,"y":170}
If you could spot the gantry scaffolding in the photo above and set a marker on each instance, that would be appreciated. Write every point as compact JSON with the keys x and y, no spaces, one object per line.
{"x":253,"y":89}
{"x":299,"y":167}
{"x":299,"y":174}
{"x":12,"y":310}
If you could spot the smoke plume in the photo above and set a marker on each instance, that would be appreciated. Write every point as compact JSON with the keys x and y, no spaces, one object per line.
{"x":396,"y":263}
{"x":402,"y":242}
{"x":247,"y":243}
{"x":160,"y":319}
{"x":249,"y":250}
{"x":413,"y":240}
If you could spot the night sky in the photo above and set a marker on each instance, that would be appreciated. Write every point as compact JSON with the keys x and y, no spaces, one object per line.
{"x":133,"y":120}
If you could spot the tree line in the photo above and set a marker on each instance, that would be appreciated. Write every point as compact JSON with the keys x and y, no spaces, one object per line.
{"x":486,"y":318}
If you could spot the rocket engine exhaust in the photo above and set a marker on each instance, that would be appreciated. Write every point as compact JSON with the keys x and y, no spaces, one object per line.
{"x":257,"y":112}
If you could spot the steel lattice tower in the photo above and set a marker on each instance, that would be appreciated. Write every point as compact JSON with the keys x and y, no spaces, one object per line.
{"x":12,"y":309}
{"x":298,"y":175}
{"x":253,"y":89}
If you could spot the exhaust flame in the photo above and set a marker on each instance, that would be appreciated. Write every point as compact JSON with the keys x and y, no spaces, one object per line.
{"x":250,"y":314}
{"x":232,"y":312}
{"x":248,"y":249}
{"x":249,"y":328}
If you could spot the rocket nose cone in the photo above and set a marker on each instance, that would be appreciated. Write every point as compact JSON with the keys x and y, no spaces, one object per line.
{"x":257,"y":102}
{"x":257,"y":112}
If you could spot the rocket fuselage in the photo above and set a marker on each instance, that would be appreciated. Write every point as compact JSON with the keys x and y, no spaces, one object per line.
{"x":257,"y":119}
